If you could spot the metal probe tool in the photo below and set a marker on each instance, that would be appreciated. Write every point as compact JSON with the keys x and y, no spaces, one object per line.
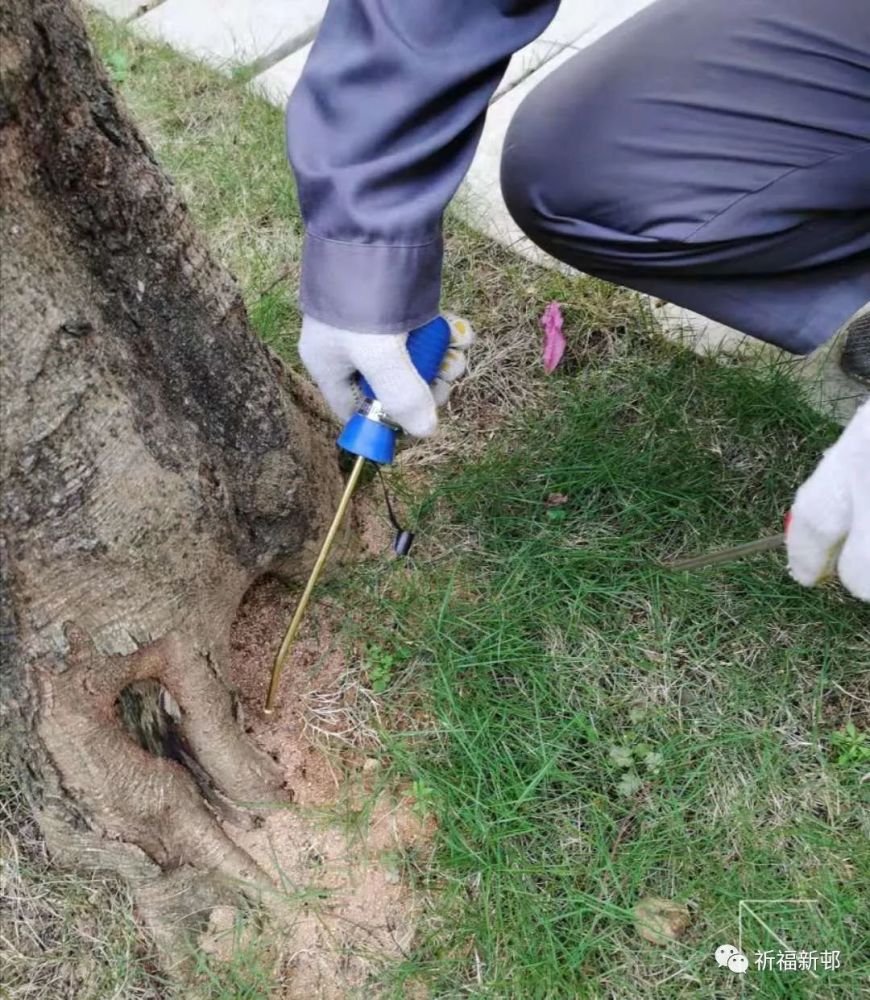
{"x":732,"y":553}
{"x":370,"y":435}
{"x":728,"y":555}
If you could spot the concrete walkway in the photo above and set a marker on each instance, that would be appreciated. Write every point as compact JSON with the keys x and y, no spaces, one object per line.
{"x":273,"y":37}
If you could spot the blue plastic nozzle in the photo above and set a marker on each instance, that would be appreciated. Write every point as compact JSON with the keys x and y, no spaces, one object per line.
{"x":369,"y":432}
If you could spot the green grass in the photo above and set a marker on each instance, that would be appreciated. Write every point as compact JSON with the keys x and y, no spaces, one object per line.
{"x":587,"y":728}
{"x":598,"y":729}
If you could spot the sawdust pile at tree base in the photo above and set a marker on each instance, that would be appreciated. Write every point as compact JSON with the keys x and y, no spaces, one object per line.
{"x":347,"y":911}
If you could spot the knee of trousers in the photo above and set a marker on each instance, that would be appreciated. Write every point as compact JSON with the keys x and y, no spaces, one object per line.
{"x":527,"y":172}
{"x":546,"y":192}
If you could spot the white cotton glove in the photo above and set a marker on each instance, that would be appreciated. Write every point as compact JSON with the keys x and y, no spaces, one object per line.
{"x":830,"y":517}
{"x":333,"y":357}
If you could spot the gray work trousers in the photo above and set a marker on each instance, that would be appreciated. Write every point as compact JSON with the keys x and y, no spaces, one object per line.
{"x":714,"y":153}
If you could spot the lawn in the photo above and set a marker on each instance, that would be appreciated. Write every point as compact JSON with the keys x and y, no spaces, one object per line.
{"x":587,"y":728}
{"x":599,"y":730}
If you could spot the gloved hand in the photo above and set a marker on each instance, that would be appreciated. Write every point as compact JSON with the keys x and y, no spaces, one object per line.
{"x":830,"y":516}
{"x":333,"y":357}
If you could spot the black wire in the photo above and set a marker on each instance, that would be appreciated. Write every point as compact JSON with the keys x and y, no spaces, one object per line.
{"x":394,"y":521}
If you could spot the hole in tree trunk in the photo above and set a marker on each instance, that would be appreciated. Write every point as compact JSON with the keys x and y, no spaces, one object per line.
{"x":152,"y":718}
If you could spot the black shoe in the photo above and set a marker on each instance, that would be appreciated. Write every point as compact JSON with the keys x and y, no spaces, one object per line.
{"x":855,"y":359}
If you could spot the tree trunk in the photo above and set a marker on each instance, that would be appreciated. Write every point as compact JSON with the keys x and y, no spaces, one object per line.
{"x":157,"y":459}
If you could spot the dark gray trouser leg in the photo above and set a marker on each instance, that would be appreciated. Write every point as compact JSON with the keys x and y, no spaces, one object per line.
{"x":714,"y":153}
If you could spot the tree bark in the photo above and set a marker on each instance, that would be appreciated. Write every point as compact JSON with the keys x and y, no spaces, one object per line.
{"x":157,"y":459}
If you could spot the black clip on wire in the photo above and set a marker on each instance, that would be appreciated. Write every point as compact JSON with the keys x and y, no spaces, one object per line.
{"x":404,"y":539}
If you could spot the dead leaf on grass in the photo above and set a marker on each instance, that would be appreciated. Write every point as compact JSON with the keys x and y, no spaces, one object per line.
{"x":661,"y":921}
{"x":556,"y":500}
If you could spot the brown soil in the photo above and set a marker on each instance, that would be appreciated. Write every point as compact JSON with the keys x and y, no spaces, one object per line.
{"x":840,"y":707}
{"x":343,"y":908}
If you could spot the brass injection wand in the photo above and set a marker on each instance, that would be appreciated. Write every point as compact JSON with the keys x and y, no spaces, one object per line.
{"x":369,"y":434}
{"x":302,"y":606}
